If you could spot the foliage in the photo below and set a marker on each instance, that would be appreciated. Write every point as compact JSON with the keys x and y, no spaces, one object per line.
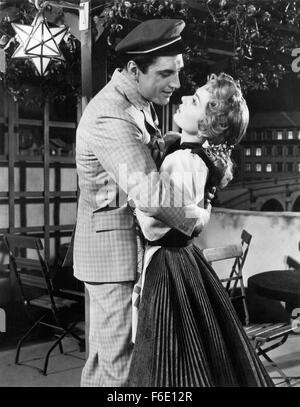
{"x":252,"y":40}
{"x":255,"y":37}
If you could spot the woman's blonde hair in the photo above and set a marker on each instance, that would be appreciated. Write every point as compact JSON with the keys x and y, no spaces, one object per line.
{"x":225,"y":123}
{"x":227,"y":114}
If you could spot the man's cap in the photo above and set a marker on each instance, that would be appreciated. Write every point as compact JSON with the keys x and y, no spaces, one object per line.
{"x":154,"y":37}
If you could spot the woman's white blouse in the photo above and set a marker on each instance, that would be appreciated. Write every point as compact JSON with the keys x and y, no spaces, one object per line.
{"x":189,"y":172}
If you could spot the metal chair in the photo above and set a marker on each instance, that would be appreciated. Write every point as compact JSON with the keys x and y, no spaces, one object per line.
{"x":5,"y":286}
{"x":57,"y":309}
{"x":234,"y":282}
{"x":265,"y":336}
{"x":292,"y":263}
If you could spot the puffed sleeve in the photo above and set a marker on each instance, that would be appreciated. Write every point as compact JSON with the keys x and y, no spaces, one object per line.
{"x":188,"y":169}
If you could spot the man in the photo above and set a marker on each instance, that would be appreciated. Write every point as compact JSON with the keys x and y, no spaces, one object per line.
{"x":115,"y":166}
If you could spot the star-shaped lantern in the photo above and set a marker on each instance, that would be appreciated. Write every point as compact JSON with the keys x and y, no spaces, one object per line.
{"x":39,"y":42}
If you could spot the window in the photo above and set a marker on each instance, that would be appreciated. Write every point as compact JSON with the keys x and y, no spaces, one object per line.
{"x":298,"y":167}
{"x":279,"y":167}
{"x":258,"y":167}
{"x":62,"y":141}
{"x":279,"y":151}
{"x":268,"y":167}
{"x":31,"y":140}
{"x":279,"y":135}
{"x":289,"y":167}
{"x":290,"y":150}
{"x":247,"y":136}
{"x":259,"y":136}
{"x":298,"y":135}
{"x":269,"y":135}
{"x":247,"y":151}
{"x":258,"y":151}
{"x":247,"y":167}
{"x":290,"y":135}
{"x":268,"y":151}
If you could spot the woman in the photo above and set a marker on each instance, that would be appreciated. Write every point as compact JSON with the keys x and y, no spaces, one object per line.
{"x":188,"y":332}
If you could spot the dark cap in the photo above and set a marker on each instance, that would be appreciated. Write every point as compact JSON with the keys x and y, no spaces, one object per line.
{"x":152,"y":37}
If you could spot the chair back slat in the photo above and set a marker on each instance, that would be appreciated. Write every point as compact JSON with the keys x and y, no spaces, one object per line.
{"x":22,"y":262}
{"x":29,"y":266}
{"x":230,"y":278}
{"x":246,"y":237}
{"x":24,"y":242}
{"x":222,"y":253}
{"x":32,"y":281}
{"x":292,"y":263}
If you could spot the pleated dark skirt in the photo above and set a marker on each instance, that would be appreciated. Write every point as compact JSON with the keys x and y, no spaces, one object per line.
{"x":188,"y":331}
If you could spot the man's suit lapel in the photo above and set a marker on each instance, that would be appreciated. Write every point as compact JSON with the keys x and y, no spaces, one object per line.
{"x":150,"y":120}
{"x":147,"y":123}
{"x":139,"y":118}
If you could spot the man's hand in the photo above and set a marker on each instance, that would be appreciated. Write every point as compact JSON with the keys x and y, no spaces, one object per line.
{"x":202,"y":222}
{"x":209,"y":196}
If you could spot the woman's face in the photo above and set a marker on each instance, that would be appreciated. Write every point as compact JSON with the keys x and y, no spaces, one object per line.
{"x":193,"y":109}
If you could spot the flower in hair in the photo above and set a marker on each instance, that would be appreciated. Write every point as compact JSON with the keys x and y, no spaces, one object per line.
{"x":221,"y":150}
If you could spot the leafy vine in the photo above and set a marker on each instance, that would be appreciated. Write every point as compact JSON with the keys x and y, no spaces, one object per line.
{"x":252,"y":40}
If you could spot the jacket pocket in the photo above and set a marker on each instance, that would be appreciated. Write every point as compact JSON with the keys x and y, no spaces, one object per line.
{"x":121,"y":218}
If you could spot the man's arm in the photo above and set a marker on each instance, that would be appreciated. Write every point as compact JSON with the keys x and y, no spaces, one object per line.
{"x":116,"y":143}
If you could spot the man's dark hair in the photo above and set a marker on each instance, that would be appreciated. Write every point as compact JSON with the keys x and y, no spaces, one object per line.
{"x":142,"y":61}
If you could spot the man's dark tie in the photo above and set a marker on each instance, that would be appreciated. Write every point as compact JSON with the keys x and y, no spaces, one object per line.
{"x":156,"y":143}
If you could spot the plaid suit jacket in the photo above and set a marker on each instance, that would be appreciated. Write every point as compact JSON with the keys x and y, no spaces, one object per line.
{"x":114,"y":166}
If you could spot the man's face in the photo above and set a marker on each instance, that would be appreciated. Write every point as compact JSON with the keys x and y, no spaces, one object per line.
{"x":161,"y":79}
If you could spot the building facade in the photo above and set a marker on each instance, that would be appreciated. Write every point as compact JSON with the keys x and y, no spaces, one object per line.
{"x":268,"y":165}
{"x":271,"y":147}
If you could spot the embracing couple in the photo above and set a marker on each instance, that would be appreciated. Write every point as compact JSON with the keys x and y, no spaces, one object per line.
{"x":159,"y":316}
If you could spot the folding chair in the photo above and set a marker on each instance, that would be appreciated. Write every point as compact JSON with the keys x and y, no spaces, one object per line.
{"x":274,"y":334}
{"x":234,"y":282}
{"x":38,"y":294}
{"x":5,"y":285}
{"x":292,"y":263}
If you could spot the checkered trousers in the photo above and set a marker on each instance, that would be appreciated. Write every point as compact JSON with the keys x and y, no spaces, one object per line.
{"x":110,"y":335}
